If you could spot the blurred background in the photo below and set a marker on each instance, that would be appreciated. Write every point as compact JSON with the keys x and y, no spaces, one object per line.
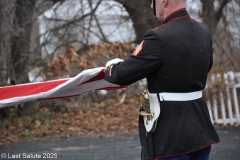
{"x":44,"y":40}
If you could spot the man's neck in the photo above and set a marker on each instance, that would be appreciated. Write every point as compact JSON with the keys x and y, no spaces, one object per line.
{"x":173,"y":8}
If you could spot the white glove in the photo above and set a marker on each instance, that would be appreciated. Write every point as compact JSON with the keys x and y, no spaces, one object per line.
{"x":113,"y":61}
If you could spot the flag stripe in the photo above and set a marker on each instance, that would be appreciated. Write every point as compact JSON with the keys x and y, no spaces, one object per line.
{"x":87,"y":80}
{"x":24,"y":90}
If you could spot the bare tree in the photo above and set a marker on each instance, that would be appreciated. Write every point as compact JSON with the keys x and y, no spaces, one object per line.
{"x":220,"y":17}
{"x":6,"y":17}
{"x":15,"y":32}
{"x":20,"y":40}
{"x":141,"y":15}
{"x":211,"y":13}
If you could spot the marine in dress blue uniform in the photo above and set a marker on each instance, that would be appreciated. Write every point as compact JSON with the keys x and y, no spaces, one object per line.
{"x":176,"y":58}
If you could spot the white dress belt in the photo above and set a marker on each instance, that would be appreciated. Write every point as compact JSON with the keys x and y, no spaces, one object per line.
{"x":154,"y":101}
{"x":164,"y":96}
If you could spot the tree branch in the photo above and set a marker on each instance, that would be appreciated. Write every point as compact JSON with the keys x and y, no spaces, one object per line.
{"x":76,"y":20}
{"x":219,"y":12}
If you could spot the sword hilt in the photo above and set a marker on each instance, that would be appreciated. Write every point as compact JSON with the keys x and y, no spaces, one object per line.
{"x":149,"y":115}
{"x":145,"y":104}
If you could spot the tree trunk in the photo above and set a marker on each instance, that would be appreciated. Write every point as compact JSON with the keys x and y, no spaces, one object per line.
{"x":142,"y":16}
{"x":20,"y":45}
{"x":5,"y":31}
{"x":210,"y":14}
{"x":20,"y":40}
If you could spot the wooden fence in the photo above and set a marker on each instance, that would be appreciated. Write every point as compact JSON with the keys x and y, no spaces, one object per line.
{"x":223,"y":100}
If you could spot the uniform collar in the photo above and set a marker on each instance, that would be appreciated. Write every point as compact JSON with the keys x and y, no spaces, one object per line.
{"x":179,"y":13}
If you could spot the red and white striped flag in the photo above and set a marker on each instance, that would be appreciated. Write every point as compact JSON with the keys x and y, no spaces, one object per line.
{"x":87,"y":80}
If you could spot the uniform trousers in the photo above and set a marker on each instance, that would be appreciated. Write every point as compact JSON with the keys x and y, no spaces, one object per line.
{"x":202,"y":154}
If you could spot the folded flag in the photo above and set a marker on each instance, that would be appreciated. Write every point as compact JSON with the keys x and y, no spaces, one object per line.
{"x":87,"y":80}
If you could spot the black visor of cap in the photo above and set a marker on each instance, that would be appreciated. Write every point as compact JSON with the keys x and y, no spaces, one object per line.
{"x":154,"y":7}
